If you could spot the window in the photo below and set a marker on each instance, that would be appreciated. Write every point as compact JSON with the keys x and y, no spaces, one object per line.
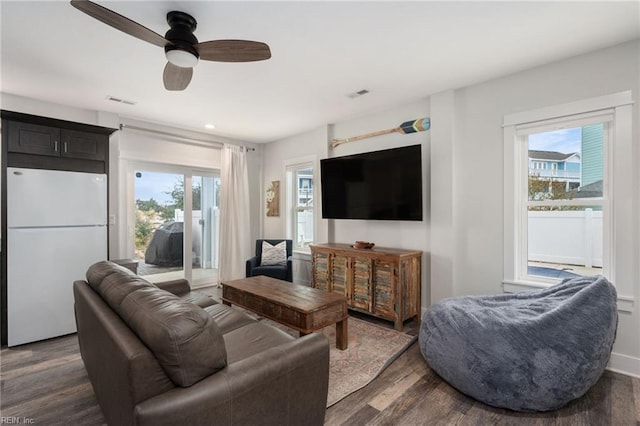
{"x":559,"y":219}
{"x":563,"y":215}
{"x":300,"y":194}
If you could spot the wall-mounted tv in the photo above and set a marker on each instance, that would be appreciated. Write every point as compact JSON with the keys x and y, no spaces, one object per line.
{"x":379,"y":185}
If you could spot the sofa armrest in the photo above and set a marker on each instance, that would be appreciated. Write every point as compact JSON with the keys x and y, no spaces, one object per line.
{"x":290,"y":269}
{"x":252,"y":263}
{"x":284,"y":385}
{"x":177,"y":287}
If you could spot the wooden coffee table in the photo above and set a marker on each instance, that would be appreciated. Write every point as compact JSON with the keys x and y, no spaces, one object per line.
{"x":296,"y":306}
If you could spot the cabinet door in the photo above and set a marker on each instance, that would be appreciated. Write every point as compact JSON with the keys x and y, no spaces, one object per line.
{"x":320,"y":270}
{"x":33,"y":139}
{"x":340,"y":274}
{"x":362,"y":275}
{"x":383,"y":294}
{"x":85,"y":145}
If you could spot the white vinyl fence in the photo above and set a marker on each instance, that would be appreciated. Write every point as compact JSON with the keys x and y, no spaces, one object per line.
{"x":566,"y":237}
{"x":305,"y":228}
{"x":205,"y":236}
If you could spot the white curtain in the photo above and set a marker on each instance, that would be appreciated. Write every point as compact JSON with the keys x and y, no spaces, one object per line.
{"x":235,"y":244}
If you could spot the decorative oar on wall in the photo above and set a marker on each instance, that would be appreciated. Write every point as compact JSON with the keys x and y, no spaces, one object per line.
{"x":414,"y":126}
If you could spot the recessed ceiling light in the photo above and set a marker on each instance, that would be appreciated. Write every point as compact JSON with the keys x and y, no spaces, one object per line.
{"x":210,"y":126}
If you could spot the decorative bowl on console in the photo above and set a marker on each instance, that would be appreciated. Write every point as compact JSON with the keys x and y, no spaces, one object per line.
{"x":363,"y":245}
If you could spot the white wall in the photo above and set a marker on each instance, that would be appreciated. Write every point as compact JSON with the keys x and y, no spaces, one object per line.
{"x":476,"y":170}
{"x":312,"y":144}
{"x":398,"y":234}
{"x":47,"y":109}
{"x":462,"y":233}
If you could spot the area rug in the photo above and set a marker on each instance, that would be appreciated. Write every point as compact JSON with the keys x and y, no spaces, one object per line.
{"x":371,"y":349}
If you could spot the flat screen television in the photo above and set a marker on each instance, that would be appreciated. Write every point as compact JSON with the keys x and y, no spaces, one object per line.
{"x":379,"y":185}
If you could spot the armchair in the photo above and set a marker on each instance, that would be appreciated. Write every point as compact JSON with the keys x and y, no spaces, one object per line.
{"x":282,"y":272}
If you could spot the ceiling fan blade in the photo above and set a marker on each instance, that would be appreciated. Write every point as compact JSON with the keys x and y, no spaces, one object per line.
{"x":233,"y":51}
{"x":119,"y":22}
{"x":176,"y":78}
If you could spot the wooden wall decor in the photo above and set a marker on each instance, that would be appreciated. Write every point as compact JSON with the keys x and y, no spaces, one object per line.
{"x":413,"y":126}
{"x":273,"y":199}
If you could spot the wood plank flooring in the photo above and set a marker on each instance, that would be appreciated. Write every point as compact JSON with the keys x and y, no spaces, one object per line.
{"x":410,"y":393}
{"x":46,"y":382}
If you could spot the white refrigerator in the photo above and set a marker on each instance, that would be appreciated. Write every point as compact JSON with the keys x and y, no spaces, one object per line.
{"x":56,"y":228}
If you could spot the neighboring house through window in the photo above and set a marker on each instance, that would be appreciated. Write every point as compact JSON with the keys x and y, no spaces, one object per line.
{"x":553,"y":165}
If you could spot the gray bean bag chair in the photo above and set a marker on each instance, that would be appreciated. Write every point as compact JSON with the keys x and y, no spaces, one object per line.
{"x":530,"y":351}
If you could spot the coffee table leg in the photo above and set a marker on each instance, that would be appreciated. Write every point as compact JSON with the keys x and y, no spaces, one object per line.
{"x":342,"y":334}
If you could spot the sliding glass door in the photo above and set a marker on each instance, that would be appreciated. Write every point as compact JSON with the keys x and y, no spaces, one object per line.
{"x":205,"y":225}
{"x":176,"y":217}
{"x":159,"y":231}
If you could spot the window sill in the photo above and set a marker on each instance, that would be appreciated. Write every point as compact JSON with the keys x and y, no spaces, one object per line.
{"x":302,"y":251}
{"x":513,"y":286}
{"x":625,"y":303}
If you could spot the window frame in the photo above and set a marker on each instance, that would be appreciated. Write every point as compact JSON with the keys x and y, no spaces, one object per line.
{"x":291,"y":167}
{"x":618,"y":250}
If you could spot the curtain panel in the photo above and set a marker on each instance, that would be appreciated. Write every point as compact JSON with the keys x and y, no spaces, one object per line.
{"x":235,"y":246}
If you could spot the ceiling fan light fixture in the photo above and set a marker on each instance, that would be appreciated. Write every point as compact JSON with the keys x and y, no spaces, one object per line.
{"x":182,"y":58}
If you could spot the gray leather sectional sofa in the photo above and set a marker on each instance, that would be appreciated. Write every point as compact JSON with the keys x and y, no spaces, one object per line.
{"x":160,"y":354}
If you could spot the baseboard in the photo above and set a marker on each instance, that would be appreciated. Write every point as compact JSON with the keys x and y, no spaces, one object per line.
{"x":624,"y":364}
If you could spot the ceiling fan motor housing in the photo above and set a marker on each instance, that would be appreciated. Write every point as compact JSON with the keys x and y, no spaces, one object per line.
{"x":181,"y":33}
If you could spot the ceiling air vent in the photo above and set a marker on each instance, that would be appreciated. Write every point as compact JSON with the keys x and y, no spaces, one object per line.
{"x":357,"y":94}
{"x":122,"y":101}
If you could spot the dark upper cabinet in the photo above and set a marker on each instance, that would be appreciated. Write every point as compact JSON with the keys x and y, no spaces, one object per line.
{"x":78,"y":144}
{"x":31,"y":138}
{"x":28,"y":138}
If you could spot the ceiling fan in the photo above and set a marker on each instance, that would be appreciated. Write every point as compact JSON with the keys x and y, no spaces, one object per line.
{"x":180,"y":45}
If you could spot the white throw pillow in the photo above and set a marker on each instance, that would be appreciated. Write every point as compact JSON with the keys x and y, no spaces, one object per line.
{"x":274,"y":255}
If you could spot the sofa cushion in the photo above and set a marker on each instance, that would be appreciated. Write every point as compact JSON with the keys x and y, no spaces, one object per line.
{"x":115,"y":287}
{"x":253,"y":339}
{"x":182,"y":336}
{"x":271,"y":271}
{"x":199,"y":299}
{"x":98,"y":271}
{"x":228,"y":318}
{"x":186,"y":341}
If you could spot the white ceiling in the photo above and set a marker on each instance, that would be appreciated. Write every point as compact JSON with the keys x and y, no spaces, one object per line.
{"x":322,"y":51}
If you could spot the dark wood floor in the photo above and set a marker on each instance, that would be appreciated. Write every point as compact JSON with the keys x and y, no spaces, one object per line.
{"x":410,"y":393}
{"x":46,"y":382}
